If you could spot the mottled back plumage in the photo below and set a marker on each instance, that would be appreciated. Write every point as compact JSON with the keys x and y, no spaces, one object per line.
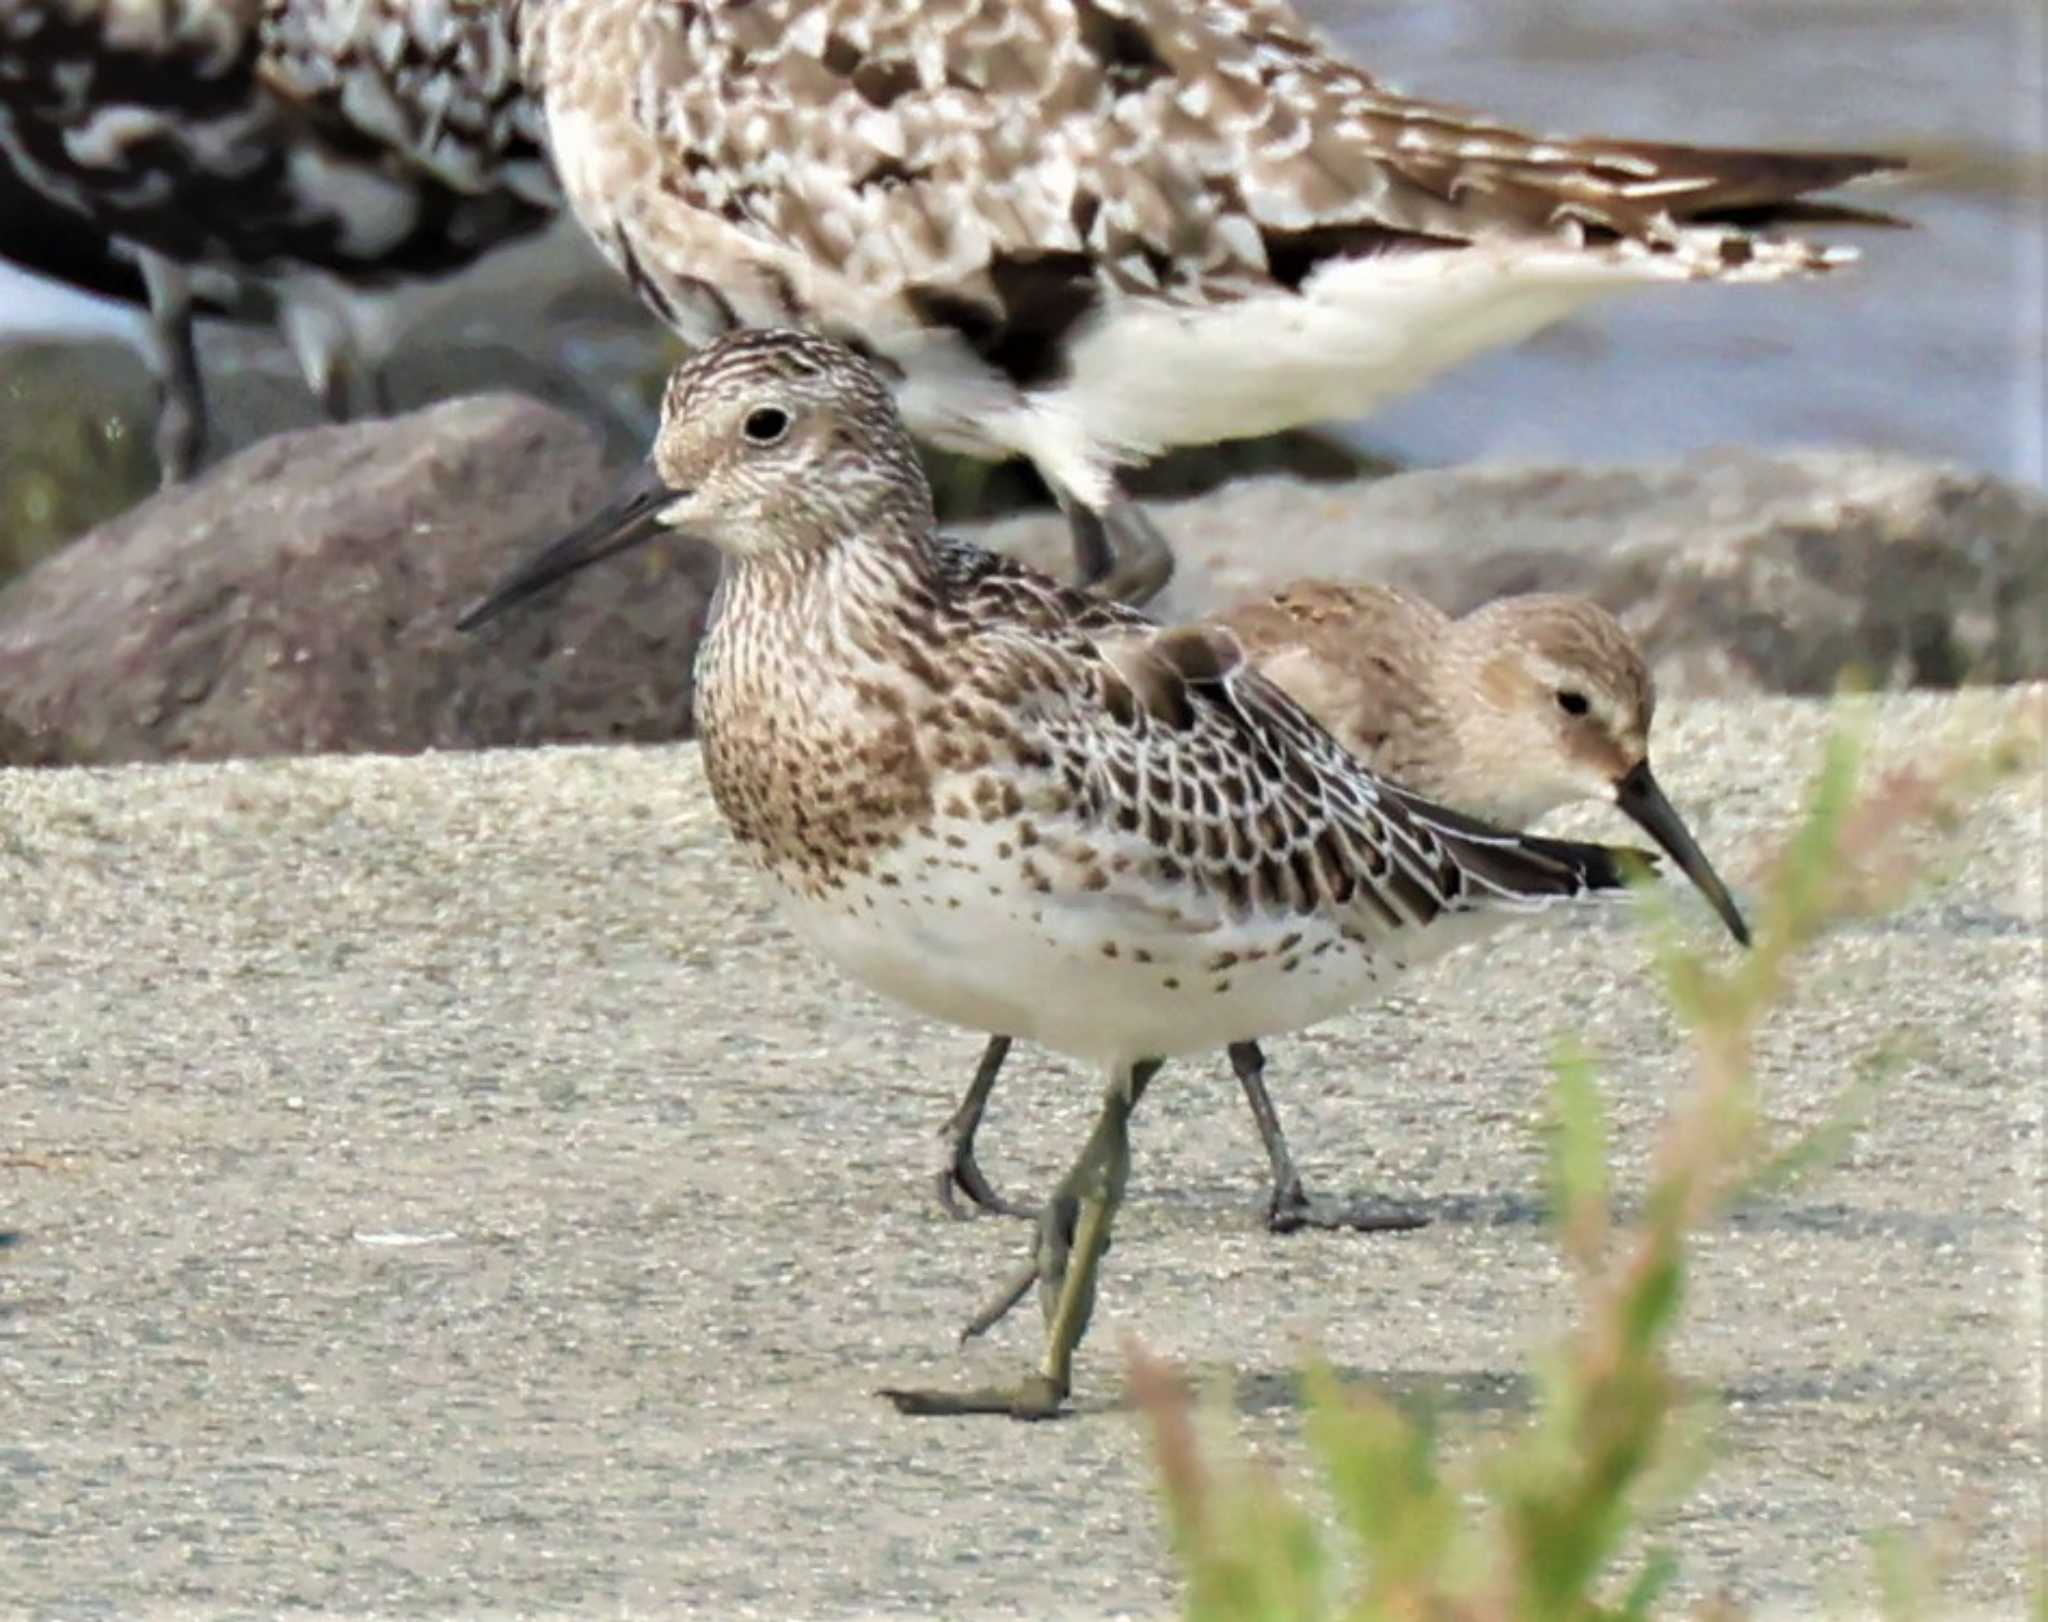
{"x":1014,"y":157}
{"x":270,"y":157}
{"x":375,"y":141}
{"x":1523,"y":705}
{"x":1016,"y":806}
{"x":1073,"y":229}
{"x":887,"y":716}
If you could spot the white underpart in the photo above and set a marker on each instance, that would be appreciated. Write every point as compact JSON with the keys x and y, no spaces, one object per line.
{"x":1146,"y":376}
{"x":1052,"y":984}
{"x":952,"y":398}
{"x":925,"y":940}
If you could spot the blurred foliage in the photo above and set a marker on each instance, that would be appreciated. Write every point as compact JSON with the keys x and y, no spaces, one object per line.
{"x":74,"y":444}
{"x":1538,"y":1527}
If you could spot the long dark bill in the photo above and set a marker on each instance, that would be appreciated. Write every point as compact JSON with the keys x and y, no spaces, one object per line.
{"x":1643,"y":802}
{"x":629,"y":518}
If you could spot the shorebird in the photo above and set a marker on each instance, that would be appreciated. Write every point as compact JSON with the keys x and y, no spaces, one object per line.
{"x":1012,"y":805}
{"x":286,"y":160}
{"x":1088,"y":231}
{"x":1523,"y":705}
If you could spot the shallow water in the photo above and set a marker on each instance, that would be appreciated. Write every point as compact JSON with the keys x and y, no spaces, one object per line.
{"x":1934,"y":344}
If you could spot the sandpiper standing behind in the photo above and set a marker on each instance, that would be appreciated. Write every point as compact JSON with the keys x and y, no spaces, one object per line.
{"x":1087,"y":231}
{"x":1525,"y":704}
{"x":1016,"y":807}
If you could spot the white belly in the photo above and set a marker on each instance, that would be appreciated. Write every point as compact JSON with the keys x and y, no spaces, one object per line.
{"x":1085,"y":973}
{"x":1150,"y":375}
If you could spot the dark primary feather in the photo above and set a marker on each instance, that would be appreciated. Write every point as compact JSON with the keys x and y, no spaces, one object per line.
{"x":1751,"y":183}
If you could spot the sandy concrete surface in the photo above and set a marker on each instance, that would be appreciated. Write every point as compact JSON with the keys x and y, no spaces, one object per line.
{"x":441,"y":1185}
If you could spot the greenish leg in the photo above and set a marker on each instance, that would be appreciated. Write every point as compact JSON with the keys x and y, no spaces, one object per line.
{"x":1068,"y":1309}
{"x":181,"y":392}
{"x":1073,"y":1236}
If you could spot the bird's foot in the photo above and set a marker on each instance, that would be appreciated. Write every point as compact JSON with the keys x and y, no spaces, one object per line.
{"x":959,"y":1174}
{"x":1066,"y":1252}
{"x":1291,"y":1208}
{"x":1036,"y":1396}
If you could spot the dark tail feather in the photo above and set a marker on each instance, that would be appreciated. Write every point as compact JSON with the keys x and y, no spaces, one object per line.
{"x":1801,"y":212}
{"x":1744,"y":181}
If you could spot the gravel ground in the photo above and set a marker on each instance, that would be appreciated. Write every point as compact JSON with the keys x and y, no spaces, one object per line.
{"x":442,"y":1185}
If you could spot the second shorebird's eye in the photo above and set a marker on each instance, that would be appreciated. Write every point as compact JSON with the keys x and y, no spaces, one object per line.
{"x":1572,"y":703}
{"x":765,"y":424}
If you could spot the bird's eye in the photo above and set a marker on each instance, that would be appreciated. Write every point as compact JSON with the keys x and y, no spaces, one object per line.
{"x":766,"y":424}
{"x":1572,"y":703}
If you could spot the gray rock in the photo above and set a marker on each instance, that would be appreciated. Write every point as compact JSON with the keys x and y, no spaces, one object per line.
{"x":545,"y":317}
{"x":1738,"y":571}
{"x":300,"y":597}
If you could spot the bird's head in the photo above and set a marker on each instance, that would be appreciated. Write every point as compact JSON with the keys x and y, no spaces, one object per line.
{"x":1554,"y":703}
{"x":773,"y":444}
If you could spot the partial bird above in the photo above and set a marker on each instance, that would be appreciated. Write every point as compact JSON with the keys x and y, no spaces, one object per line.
{"x":1088,"y":231}
{"x":1523,"y":705}
{"x":1017,"y":807}
{"x":286,"y":160}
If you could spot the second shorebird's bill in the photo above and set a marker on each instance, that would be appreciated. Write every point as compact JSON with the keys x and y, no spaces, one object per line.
{"x":1523,"y":705}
